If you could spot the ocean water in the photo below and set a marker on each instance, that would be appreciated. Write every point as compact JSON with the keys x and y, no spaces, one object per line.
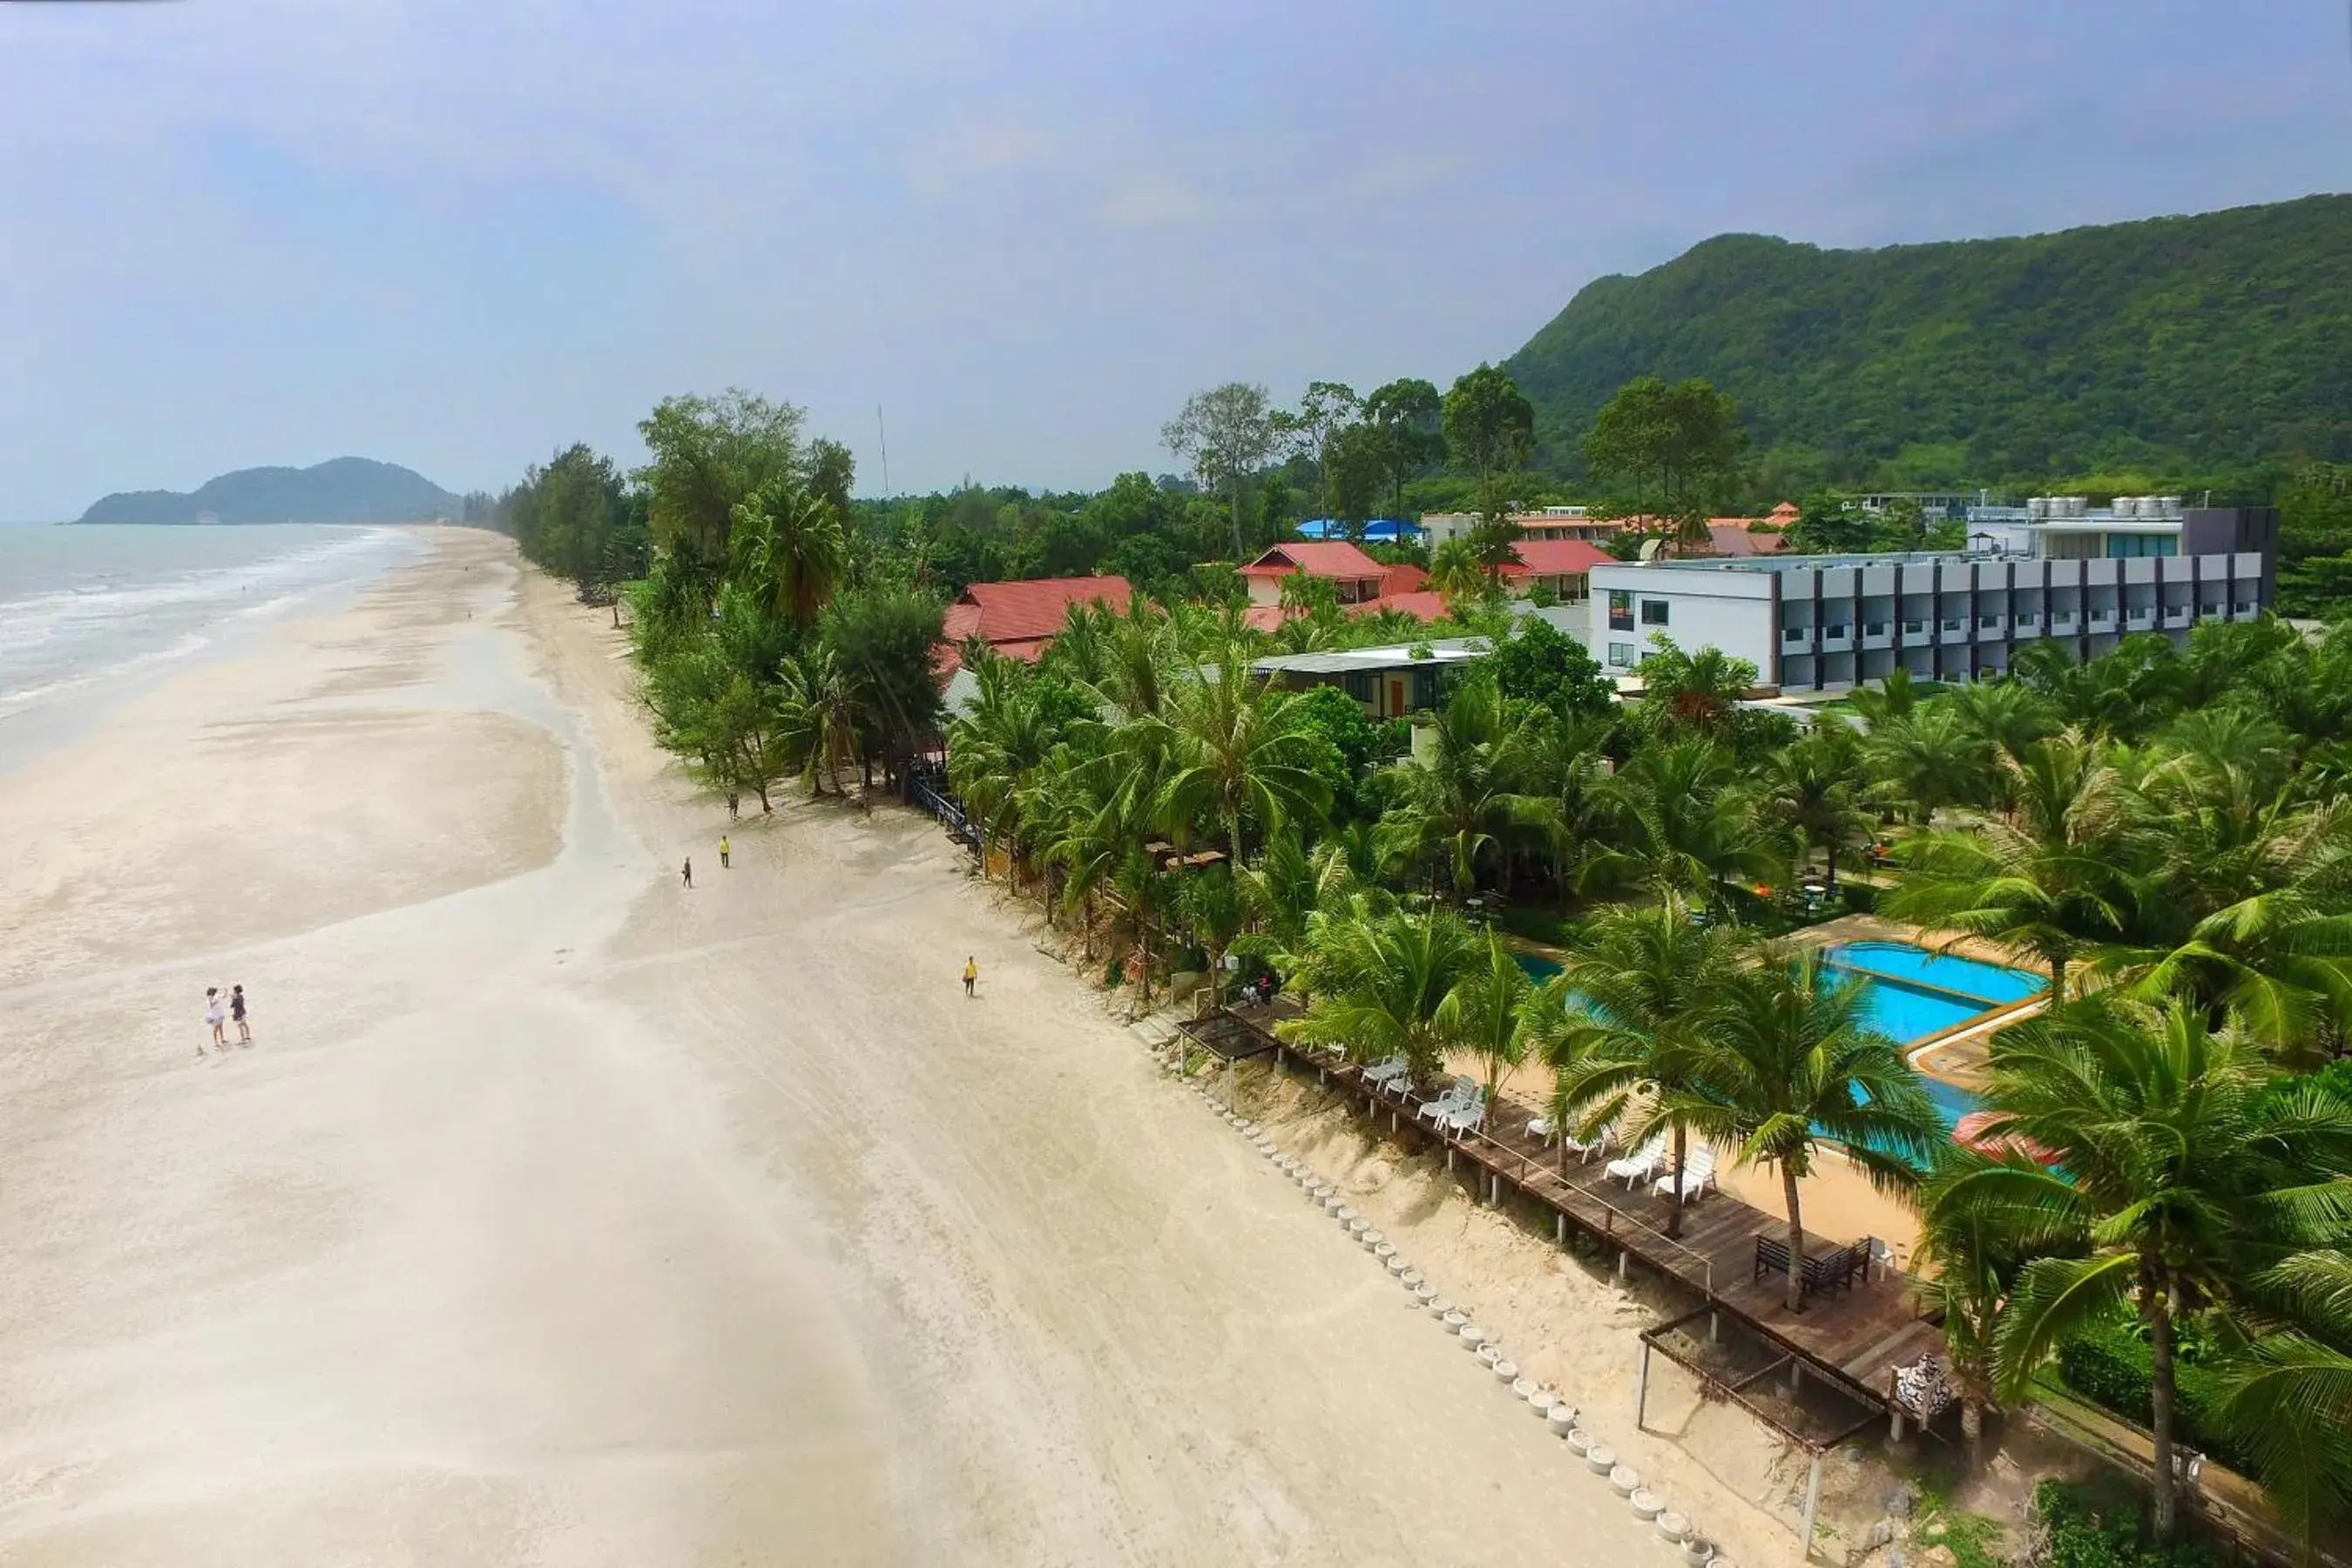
{"x":87,"y":614}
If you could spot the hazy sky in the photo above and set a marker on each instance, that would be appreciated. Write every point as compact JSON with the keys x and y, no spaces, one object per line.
{"x":457,"y":234}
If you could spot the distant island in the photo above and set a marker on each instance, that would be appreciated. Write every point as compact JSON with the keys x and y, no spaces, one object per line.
{"x":343,"y":490}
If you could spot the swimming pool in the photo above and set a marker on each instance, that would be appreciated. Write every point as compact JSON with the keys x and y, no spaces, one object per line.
{"x":1967,"y":979}
{"x":1909,"y":995}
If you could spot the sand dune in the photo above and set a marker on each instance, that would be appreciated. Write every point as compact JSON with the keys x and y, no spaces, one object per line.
{"x":561,"y":1215}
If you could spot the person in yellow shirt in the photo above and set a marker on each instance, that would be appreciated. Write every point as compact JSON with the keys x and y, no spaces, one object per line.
{"x":722,"y":851}
{"x":971,"y":974}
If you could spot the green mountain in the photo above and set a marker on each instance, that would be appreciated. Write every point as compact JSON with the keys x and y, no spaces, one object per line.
{"x":2179,"y":344}
{"x":343,"y":490}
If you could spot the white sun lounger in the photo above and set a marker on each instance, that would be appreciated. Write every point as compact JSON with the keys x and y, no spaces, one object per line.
{"x":1381,"y":1075}
{"x":1469,"y":1117}
{"x":1458,"y":1094}
{"x":1641,"y":1163}
{"x":1698,"y":1174}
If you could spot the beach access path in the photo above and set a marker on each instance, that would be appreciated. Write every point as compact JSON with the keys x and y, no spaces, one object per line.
{"x":560,"y":1216}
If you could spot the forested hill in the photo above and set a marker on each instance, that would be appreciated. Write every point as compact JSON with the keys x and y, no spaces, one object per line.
{"x":2197,"y":344}
{"x":343,"y":490}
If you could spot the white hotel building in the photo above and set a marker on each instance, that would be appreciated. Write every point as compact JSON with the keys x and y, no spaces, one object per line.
{"x":2085,"y":577}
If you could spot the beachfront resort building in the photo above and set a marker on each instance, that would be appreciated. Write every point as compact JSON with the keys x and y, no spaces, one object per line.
{"x":1391,"y":682}
{"x":1018,"y":619}
{"x":2087,"y":578}
{"x":1541,"y":522}
{"x":1355,"y":576}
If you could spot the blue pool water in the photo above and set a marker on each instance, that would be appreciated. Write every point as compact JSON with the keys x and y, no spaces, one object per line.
{"x":1909,"y":995}
{"x":1967,"y":979}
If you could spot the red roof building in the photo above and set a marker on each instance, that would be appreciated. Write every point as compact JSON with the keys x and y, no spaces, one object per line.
{"x":1018,"y":619}
{"x":1741,"y":536}
{"x":1563,"y":565}
{"x":1423,"y":604}
{"x":1356,"y":575}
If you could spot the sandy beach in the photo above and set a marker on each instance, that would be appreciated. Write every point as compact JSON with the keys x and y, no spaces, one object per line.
{"x":559,"y":1214}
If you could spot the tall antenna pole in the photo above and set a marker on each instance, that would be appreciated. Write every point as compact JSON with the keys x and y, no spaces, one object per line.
{"x":883,"y":432}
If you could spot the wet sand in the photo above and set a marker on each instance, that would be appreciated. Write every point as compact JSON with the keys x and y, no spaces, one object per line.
{"x":559,"y":1214}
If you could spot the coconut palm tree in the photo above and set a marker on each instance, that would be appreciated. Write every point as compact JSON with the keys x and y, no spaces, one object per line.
{"x":2285,"y":1395}
{"x":2245,"y":904}
{"x":1893,"y":698}
{"x":2174,"y":1171}
{"x":2048,"y":881}
{"x":1455,"y":571}
{"x":1487,"y":1013}
{"x":819,"y":703}
{"x":1970,"y":1264}
{"x":1378,"y":984}
{"x":1233,"y":751}
{"x":1465,"y":802}
{"x":1647,"y":982}
{"x":1927,"y":759}
{"x":1784,"y":1063}
{"x":993,"y":748}
{"x":1679,"y":825}
{"x":1812,"y":790}
{"x":1692,"y":691}
{"x":2005,"y":716}
{"x":788,"y":547}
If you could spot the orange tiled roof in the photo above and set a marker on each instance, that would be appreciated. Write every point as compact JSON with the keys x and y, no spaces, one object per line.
{"x":1005,"y":612}
{"x":1555,"y":558}
{"x":1335,"y":559}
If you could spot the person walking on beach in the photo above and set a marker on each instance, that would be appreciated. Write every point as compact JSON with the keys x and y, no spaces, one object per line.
{"x":686,"y":872}
{"x":237,"y":1014}
{"x":722,"y":851}
{"x":217,"y":1015}
{"x":734,"y":804}
{"x":971,"y":974}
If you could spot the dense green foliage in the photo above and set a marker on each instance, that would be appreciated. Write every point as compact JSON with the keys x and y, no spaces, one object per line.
{"x":2187,"y":345}
{"x":343,"y":490}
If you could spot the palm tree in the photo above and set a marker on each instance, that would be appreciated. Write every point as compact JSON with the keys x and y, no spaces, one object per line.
{"x":1695,"y":692}
{"x":2005,"y":716}
{"x":1234,"y":750}
{"x":2048,"y":881}
{"x":2247,"y":905}
{"x":1812,"y":790}
{"x":819,"y":702}
{"x":2174,"y":1173}
{"x":788,"y":545}
{"x":2285,"y":1395}
{"x":1785,"y":1063}
{"x":1378,"y":984}
{"x":1927,"y":759}
{"x":1455,"y":571}
{"x":1894,"y":698}
{"x":1213,"y":915}
{"x":1139,"y":653}
{"x":1971,"y":1265}
{"x":1465,"y":801}
{"x":1487,"y":1013}
{"x":993,"y":748}
{"x":1647,"y":981}
{"x":1086,"y":845}
{"x":1680,"y":825}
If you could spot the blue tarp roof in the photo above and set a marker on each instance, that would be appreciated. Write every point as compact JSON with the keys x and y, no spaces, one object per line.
{"x":1388,"y":529}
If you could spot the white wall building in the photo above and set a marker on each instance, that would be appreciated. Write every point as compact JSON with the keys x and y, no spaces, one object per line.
{"x":1810,"y":622}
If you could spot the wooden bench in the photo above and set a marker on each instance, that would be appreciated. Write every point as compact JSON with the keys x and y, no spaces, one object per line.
{"x":1836,"y":1271}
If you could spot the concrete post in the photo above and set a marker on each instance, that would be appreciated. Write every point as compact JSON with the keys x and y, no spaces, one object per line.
{"x":1812,"y":1502}
{"x":1642,"y":1392}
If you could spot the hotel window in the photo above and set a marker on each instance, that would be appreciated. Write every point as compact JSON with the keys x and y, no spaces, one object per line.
{"x":1653,"y":612}
{"x":1621,"y":655}
{"x":1620,"y":610}
{"x":1873,"y":628}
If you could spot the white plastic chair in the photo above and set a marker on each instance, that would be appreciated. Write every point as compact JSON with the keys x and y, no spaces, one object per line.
{"x":1458,"y":1095}
{"x":1470,"y":1117}
{"x":1381,"y":1075}
{"x":1641,"y":1163}
{"x":1698,"y":1174}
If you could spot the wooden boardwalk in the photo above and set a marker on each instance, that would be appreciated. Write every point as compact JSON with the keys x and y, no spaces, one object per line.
{"x":1854,"y":1337}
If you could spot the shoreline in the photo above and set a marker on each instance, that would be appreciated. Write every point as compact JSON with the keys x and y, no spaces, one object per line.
{"x":560,"y":1215}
